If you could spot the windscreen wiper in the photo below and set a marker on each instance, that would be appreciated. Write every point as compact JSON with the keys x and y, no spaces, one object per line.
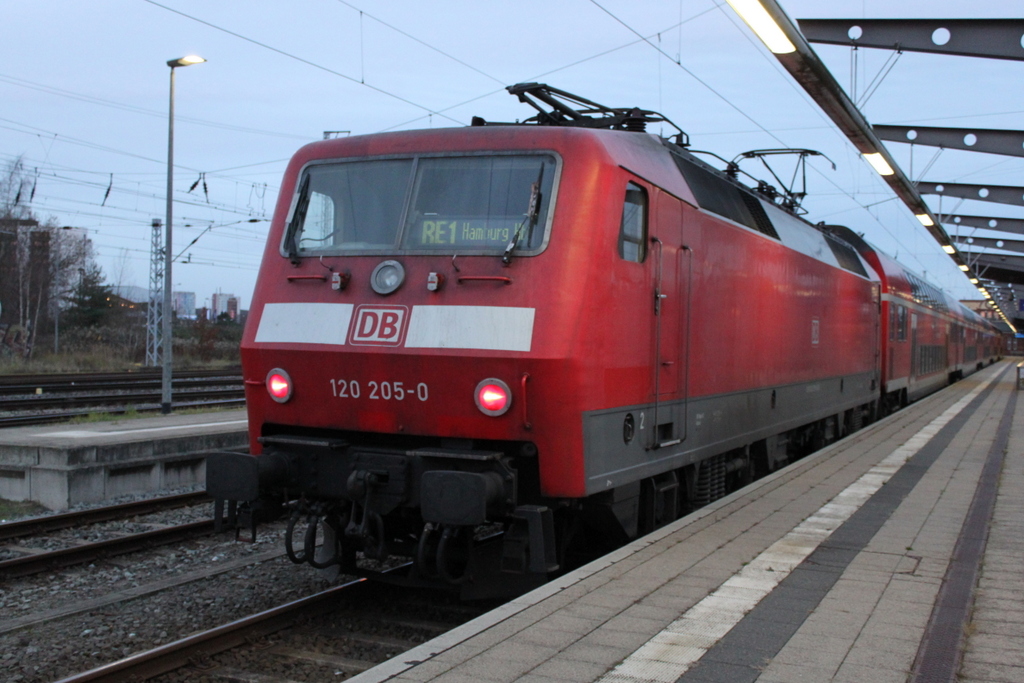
{"x":532,"y":210}
{"x":292,"y":239}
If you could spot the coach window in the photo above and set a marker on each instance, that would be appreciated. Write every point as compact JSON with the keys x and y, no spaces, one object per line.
{"x":902,"y":324}
{"x":633,"y":231}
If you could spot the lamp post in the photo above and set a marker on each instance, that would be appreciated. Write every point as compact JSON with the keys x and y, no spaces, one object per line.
{"x":166,"y":341}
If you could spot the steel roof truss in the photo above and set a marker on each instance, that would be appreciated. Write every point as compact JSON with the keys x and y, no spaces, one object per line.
{"x":968,"y":243}
{"x":1007,"y":142}
{"x":999,"y":194}
{"x":992,"y":38}
{"x":1000,"y":224}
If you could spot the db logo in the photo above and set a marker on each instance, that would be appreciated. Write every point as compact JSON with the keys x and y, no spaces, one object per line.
{"x":379,"y":325}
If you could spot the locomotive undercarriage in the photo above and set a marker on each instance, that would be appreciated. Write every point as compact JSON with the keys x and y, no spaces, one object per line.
{"x":453,"y":507}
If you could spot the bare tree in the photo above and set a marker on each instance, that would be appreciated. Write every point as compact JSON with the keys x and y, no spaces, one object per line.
{"x":15,"y":221}
{"x":122,"y":274}
{"x":16,"y":190}
{"x":38,"y":262}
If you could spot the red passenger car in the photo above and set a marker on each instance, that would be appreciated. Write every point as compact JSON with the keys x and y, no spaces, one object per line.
{"x":929,"y":339}
{"x":568,"y":333}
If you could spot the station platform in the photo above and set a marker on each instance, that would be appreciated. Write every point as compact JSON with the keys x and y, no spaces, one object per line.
{"x":894,"y":555}
{"x":59,"y":466}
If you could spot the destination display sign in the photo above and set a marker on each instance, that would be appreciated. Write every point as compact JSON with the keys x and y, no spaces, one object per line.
{"x":460,"y":232}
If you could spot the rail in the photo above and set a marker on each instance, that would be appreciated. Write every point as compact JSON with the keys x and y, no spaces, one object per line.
{"x":160,"y":660}
{"x":88,"y":552}
{"x":67,"y":520}
{"x":86,"y":381}
{"x":42,"y":399}
{"x":47,"y":418}
{"x":44,"y":402}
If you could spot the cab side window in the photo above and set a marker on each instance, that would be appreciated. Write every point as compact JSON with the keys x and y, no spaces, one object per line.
{"x":633,"y":230}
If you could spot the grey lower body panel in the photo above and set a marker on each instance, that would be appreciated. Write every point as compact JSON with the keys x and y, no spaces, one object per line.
{"x":681,"y":432}
{"x":926,"y":385}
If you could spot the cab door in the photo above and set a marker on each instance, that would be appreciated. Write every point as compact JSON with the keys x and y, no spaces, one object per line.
{"x":670,"y":291}
{"x":666,"y":251}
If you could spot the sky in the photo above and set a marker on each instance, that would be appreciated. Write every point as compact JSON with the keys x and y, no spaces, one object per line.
{"x":84,"y":99}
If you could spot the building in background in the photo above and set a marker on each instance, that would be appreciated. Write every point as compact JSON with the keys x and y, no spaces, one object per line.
{"x":22,"y":282}
{"x":40,"y":268}
{"x":184,"y":304}
{"x":139,"y":295}
{"x":1013,"y":344}
{"x":983,"y":308}
{"x":223,"y":303}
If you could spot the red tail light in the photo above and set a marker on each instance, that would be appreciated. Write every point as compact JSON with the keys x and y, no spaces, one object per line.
{"x":279,"y":385}
{"x":493,"y":397}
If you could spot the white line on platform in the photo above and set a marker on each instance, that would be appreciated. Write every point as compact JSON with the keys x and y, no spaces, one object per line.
{"x":668,"y":655}
{"x":79,"y":433}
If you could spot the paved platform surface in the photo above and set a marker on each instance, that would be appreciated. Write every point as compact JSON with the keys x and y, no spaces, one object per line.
{"x":65,"y":464}
{"x":895,"y":555}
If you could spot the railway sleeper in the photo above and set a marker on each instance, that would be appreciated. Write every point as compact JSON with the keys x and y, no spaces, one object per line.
{"x":233,"y":675}
{"x":346,"y":664}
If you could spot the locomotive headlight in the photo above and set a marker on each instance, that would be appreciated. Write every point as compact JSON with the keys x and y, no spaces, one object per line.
{"x":279,"y":385}
{"x":387,"y":277}
{"x":493,"y":397}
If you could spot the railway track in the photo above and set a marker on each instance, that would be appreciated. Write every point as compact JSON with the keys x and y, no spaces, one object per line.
{"x":174,"y":608}
{"x":198,"y":647}
{"x":336,"y":632}
{"x":71,"y":382}
{"x":67,"y":520}
{"x":34,"y":561}
{"x":90,"y":552}
{"x":40,"y":399}
{"x":130,"y":398}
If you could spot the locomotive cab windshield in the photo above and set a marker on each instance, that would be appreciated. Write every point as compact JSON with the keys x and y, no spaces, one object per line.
{"x":473,"y":204}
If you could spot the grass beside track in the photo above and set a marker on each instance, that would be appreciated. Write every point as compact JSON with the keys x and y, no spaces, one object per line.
{"x":9,"y":509}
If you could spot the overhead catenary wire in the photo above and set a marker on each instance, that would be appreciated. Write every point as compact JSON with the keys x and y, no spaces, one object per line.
{"x":60,"y":92}
{"x":208,"y":229}
{"x":38,"y":132}
{"x":417,"y":40}
{"x":690,"y":72}
{"x":564,"y":67}
{"x":153,"y":196}
{"x":54,"y":176}
{"x":303,"y":60}
{"x":876,"y":82}
{"x":157,"y":176}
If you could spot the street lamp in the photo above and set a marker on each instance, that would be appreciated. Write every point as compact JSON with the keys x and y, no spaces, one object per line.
{"x":166,"y":341}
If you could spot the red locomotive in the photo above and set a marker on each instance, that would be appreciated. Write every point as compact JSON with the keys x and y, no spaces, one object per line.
{"x":501,"y":346}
